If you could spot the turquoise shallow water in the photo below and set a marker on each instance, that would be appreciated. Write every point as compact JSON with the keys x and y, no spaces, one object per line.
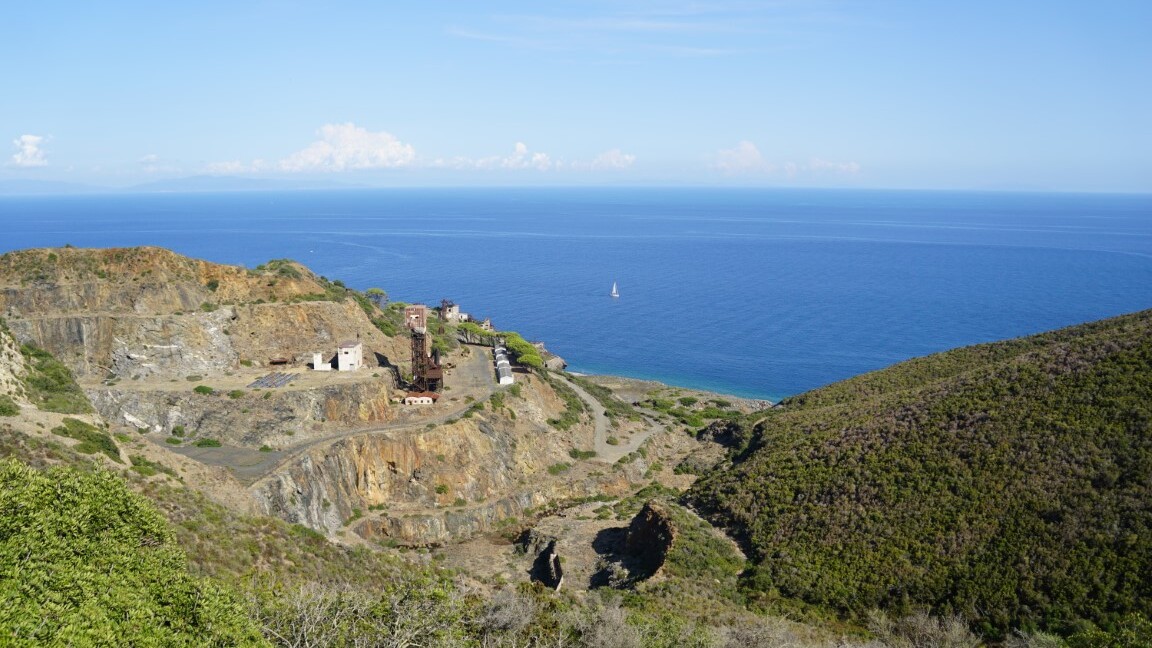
{"x":752,"y":292}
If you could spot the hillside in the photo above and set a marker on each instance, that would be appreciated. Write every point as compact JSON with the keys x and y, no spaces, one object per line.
{"x":1010,"y":483}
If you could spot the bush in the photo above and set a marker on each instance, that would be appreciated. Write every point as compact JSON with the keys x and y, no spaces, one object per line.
{"x":8,"y":407}
{"x":203,"y":389}
{"x":207,"y":443}
{"x":581,"y":454}
{"x":118,"y":578}
{"x":91,"y":439}
{"x":236,"y":393}
{"x":147,"y":467}
{"x":50,"y":384}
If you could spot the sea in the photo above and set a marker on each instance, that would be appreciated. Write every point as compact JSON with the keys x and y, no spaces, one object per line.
{"x":755,"y":293}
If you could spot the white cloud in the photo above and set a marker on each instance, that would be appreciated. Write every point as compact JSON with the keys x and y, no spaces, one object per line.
{"x":613,"y":159}
{"x":347,"y":147}
{"x":153,"y":163}
{"x":343,"y":147}
{"x":847,"y":168}
{"x":28,"y":152}
{"x":744,"y":158}
{"x":227,"y":168}
{"x":520,"y":158}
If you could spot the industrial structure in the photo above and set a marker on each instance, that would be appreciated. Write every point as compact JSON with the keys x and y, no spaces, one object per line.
{"x":450,"y":312}
{"x":427,"y":374}
{"x":503,"y":366}
{"x":350,"y":356}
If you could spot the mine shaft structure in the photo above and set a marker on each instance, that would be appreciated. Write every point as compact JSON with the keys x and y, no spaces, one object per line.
{"x":427,"y":374}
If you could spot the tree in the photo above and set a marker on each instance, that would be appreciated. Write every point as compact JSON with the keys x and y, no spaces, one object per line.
{"x":377,"y":296}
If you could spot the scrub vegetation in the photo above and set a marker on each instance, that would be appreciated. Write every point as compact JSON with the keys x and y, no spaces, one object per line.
{"x":1008,"y":483}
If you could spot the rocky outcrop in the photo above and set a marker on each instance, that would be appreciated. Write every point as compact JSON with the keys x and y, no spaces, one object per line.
{"x":253,"y":419}
{"x":546,"y":568}
{"x":140,"y":312}
{"x":434,"y":484}
{"x":12,"y":367}
{"x":650,"y":537}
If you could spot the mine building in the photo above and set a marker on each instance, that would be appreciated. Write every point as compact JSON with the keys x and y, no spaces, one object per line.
{"x":421,"y":398}
{"x":503,"y":366}
{"x":319,"y":363}
{"x":450,"y":312}
{"x":427,"y":374}
{"x":350,"y":356}
{"x":416,"y":316}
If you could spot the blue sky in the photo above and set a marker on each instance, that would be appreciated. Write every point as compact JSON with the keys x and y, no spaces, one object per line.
{"x":1022,"y":94}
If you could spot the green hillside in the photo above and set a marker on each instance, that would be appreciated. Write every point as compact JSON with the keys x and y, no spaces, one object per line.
{"x":1010,"y":483}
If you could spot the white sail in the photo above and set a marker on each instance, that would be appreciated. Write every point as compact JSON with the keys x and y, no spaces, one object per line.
{"x":615,"y":292}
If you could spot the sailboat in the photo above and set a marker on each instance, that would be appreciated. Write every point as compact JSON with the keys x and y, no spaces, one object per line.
{"x":615,"y":292}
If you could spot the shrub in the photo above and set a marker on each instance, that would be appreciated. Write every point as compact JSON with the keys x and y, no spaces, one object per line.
{"x":50,"y":384}
{"x":441,"y":488}
{"x":203,"y":389}
{"x":91,"y":439}
{"x":118,"y":578}
{"x":8,"y":407}
{"x":236,"y":393}
{"x":581,"y":454}
{"x":207,"y":443}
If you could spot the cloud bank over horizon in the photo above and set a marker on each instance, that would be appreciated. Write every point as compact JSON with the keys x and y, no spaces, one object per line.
{"x":347,"y":147}
{"x":745,"y":159}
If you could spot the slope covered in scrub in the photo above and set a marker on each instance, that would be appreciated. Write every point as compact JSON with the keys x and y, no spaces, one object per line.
{"x":1010,"y":483}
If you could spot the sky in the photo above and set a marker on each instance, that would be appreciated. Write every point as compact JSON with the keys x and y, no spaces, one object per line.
{"x":1046,"y":95}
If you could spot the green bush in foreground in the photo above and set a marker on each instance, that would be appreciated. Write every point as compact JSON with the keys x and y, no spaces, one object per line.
{"x":84,"y":561}
{"x":8,"y":407}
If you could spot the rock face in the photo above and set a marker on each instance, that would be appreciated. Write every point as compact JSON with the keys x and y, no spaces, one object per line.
{"x":437,"y":484}
{"x":140,"y":312}
{"x":252,"y":420}
{"x":12,"y":367}
{"x":650,"y":538}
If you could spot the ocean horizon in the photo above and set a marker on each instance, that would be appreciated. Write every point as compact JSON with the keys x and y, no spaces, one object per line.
{"x":751,"y":292}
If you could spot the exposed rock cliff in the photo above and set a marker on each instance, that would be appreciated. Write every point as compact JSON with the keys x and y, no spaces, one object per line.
{"x":139,"y":312}
{"x":254,"y":419}
{"x":441,"y":482}
{"x":12,"y":367}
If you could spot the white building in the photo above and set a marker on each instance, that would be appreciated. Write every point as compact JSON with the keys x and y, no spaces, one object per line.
{"x":504,"y":375}
{"x":350,"y":356}
{"x":421,"y":398}
{"x":319,"y":363}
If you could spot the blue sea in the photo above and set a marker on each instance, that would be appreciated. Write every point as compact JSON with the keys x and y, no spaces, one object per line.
{"x":758,"y":293}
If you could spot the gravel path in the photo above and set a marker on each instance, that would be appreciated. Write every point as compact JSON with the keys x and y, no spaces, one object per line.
{"x":606,"y":452}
